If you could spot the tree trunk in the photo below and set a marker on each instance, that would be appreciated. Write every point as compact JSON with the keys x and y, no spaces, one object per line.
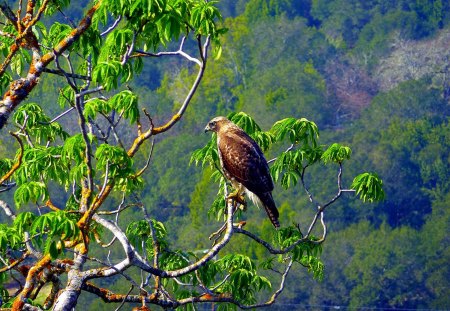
{"x":68,"y":298}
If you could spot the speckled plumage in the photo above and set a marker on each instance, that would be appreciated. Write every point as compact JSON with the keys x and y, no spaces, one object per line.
{"x":243,"y":163}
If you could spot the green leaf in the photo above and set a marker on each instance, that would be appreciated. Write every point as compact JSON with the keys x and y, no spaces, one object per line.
{"x":369,"y":187}
{"x":127,"y":103}
{"x":23,"y":222}
{"x":299,"y":131}
{"x":207,"y":154}
{"x":52,"y":249}
{"x":245,"y":122}
{"x":37,"y":124}
{"x":336,"y":153}
{"x":74,"y":149}
{"x":107,"y":74}
{"x":43,"y":164}
{"x":66,"y":96}
{"x":57,"y":32}
{"x":31,"y":191}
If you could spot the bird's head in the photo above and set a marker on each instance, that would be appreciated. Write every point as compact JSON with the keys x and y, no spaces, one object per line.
{"x":215,"y":124}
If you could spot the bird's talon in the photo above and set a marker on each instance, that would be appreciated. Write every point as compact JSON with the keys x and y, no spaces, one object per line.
{"x":237,"y":198}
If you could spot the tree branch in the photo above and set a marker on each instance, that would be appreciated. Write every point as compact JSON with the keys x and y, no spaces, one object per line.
{"x":20,"y":300}
{"x":9,"y":14}
{"x":17,"y":164}
{"x":62,"y":73}
{"x":20,"y":88}
{"x":15,"y":263}
{"x":7,"y":210}
{"x":176,"y":117}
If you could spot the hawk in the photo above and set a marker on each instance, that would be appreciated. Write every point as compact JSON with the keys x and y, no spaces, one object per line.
{"x":244,"y":165}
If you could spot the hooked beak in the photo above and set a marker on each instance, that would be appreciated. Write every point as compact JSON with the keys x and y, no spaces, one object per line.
{"x":207,"y":128}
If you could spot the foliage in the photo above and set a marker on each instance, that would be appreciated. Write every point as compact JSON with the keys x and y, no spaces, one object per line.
{"x":369,"y":187}
{"x":306,"y":60}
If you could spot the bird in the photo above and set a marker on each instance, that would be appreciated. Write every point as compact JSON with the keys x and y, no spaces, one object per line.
{"x":244,"y":165}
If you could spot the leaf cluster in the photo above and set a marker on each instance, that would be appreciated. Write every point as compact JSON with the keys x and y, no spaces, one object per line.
{"x":48,"y":232}
{"x":243,"y":281}
{"x":124,"y":102}
{"x":306,"y":253}
{"x":38,"y":125}
{"x":140,"y":235}
{"x":369,"y":187}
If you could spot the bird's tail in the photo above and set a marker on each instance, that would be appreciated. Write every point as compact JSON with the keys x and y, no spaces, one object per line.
{"x":266,"y":200}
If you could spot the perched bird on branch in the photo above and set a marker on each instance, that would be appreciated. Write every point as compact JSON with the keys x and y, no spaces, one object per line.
{"x":244,"y":165}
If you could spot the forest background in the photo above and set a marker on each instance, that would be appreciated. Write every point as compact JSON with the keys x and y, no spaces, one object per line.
{"x":373,"y":75}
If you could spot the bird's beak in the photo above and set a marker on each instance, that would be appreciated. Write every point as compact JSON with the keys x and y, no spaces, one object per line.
{"x":207,"y":128}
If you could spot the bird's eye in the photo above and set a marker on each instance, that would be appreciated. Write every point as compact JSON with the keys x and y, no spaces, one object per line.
{"x":212,"y":123}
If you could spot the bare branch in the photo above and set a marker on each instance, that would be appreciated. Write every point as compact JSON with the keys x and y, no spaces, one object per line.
{"x":277,"y":293}
{"x":148,"y":160}
{"x":71,"y":82}
{"x":112,"y":127}
{"x":179,"y":52}
{"x":130,"y":50}
{"x":119,"y":271}
{"x":105,"y":181}
{"x":15,"y":263}
{"x":9,"y":14}
{"x":112,"y":27}
{"x":58,"y":116}
{"x":7,"y":210}
{"x":175,"y":118}
{"x":123,"y":301}
{"x":86,"y":92}
{"x":19,"y":302}
{"x":287,"y":150}
{"x":62,"y":73}
{"x":88,"y":152}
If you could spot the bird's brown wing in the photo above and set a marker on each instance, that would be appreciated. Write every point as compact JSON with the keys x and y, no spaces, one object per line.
{"x":243,"y":160}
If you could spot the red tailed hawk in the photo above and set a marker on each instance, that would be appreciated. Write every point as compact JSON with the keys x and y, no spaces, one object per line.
{"x":244,"y":165}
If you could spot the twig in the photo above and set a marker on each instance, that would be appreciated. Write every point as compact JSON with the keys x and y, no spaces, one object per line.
{"x":179,"y":52}
{"x":86,"y":92}
{"x":111,"y":28}
{"x":155,"y":244}
{"x":127,"y":277}
{"x":24,"y":131}
{"x":287,"y":150}
{"x":9,"y":14}
{"x":7,"y":186}
{"x":71,"y":83}
{"x":189,"y":96}
{"x":60,"y":72}
{"x":112,"y":127}
{"x":15,"y":263}
{"x":105,"y":181}
{"x":148,"y":160}
{"x":58,"y":116}
{"x":67,"y":18}
{"x":124,"y":299}
{"x":17,"y":164}
{"x":88,"y":149}
{"x":221,"y":282}
{"x":130,"y":49}
{"x":7,"y":210}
